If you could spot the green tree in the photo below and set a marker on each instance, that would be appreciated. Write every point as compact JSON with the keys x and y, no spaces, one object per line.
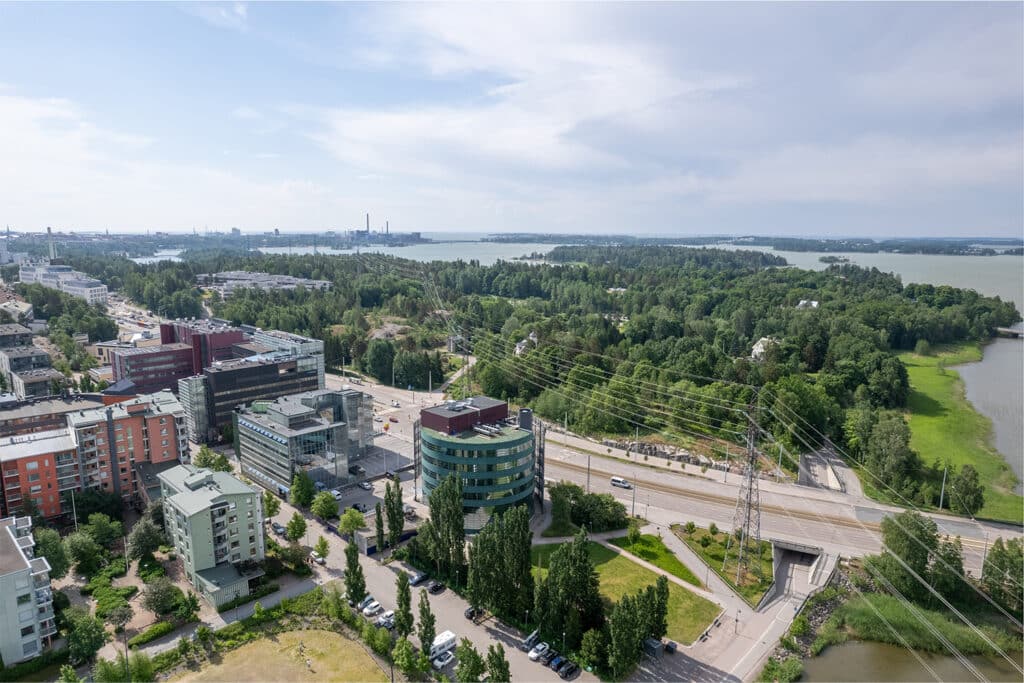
{"x":355,"y":582}
{"x":889,"y":455}
{"x":633,"y":535}
{"x":322,"y":547}
{"x":302,"y":489}
{"x":624,"y":628}
{"x":497,"y":665}
{"x":659,"y":619}
{"x":403,"y":615}
{"x":378,"y":524}
{"x":404,"y":656}
{"x":85,"y":634}
{"x":351,"y":521}
{"x":909,"y":540}
{"x":426,"y":628}
{"x":947,"y":573}
{"x":593,"y":649}
{"x":141,"y":667}
{"x":103,"y":529}
{"x":448,"y":526}
{"x":50,"y":546}
{"x":271,"y":504}
{"x":69,"y":675}
{"x":966,"y":493}
{"x":574,"y":603}
{"x":1004,"y":565}
{"x":470,"y":665}
{"x":394,"y":509}
{"x":187,"y":608}
{"x":84,"y":552}
{"x":144,"y":539}
{"x":211,"y":460}
{"x":380,"y":356}
{"x":295,"y":528}
{"x":160,"y":596}
{"x":324,"y":505}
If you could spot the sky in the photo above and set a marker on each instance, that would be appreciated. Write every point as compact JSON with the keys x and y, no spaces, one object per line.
{"x":861,"y":119}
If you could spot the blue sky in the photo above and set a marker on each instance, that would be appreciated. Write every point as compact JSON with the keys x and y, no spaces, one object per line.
{"x":871,"y":119}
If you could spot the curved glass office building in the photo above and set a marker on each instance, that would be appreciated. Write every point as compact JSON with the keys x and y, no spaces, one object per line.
{"x":495,"y":460}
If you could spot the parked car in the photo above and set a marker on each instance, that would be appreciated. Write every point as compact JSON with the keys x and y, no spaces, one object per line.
{"x":529,"y":641}
{"x":393,"y":418}
{"x":538,"y":650}
{"x":378,"y":418}
{"x":418,"y":578}
{"x":435,"y":587}
{"x":395,"y":404}
{"x":361,"y":507}
{"x":568,"y":671}
{"x":443,"y":660}
{"x":383,"y":619}
{"x":366,"y":486}
{"x":371,"y":609}
{"x":365,"y":601}
{"x":319,"y":485}
{"x":315,"y":556}
{"x":471,"y":613}
{"x":278,"y":528}
{"x":336,"y":493}
{"x":546,"y":658}
{"x":556,"y":663}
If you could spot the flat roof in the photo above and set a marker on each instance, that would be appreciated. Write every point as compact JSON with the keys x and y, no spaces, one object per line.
{"x":507,"y":433}
{"x":474,"y":403}
{"x":14,"y":328}
{"x":37,"y":443}
{"x":152,"y":350}
{"x":83,"y":283}
{"x":23,"y":352}
{"x":49,"y":406}
{"x":199,"y":488}
{"x":12,"y":558}
{"x":39,"y":374}
{"x":160,"y":403}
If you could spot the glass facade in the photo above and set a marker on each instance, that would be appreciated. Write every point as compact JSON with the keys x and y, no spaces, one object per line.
{"x":497,"y":472}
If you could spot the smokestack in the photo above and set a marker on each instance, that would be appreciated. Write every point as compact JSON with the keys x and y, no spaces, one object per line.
{"x":49,"y":238}
{"x":367,"y":224}
{"x":387,"y":227}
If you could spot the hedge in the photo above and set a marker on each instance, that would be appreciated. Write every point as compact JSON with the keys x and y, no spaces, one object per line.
{"x":19,"y":671}
{"x":265,"y":589}
{"x":161,"y":628}
{"x":109,"y":598}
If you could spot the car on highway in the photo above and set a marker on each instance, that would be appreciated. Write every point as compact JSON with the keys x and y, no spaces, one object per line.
{"x":366,"y":486}
{"x":371,"y":609}
{"x":621,"y":483}
{"x":443,"y":660}
{"x":316,"y":557}
{"x":418,"y":578}
{"x":538,"y":651}
{"x":278,"y":528}
{"x":435,"y":587}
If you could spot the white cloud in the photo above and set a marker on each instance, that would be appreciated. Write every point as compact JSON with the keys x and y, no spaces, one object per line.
{"x":232,"y":16}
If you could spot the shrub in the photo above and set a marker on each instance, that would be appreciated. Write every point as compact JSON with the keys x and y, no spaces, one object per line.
{"x":166,"y":660}
{"x":713,"y":529}
{"x":108,"y":599}
{"x":25,"y":669}
{"x":261,"y":591}
{"x":150,"y":568}
{"x":689,"y":528}
{"x":157,"y":630}
{"x":788,"y":670}
{"x":801,"y":626}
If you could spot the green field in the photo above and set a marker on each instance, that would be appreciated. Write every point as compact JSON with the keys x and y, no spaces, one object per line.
{"x":653,"y":550}
{"x":944,"y":426}
{"x":752,"y":587}
{"x":688,"y":614}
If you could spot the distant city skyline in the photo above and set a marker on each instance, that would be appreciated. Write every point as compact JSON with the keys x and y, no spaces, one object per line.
{"x":803,"y":119}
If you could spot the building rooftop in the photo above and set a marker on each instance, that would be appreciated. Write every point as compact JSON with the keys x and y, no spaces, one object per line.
{"x":12,"y":557}
{"x":84,"y":283}
{"x":23,"y":352}
{"x":453,"y":408}
{"x":147,"y":350}
{"x":501,"y":434}
{"x":199,"y":488}
{"x":204,"y":325}
{"x":48,"y":406}
{"x":249,"y":361}
{"x":261,"y":413}
{"x":160,"y":403}
{"x":39,"y":375}
{"x":37,"y":443}
{"x":13,"y":328}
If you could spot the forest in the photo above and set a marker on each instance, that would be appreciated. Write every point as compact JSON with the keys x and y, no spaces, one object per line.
{"x":619,"y":339}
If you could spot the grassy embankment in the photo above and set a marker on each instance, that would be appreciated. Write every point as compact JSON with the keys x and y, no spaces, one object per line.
{"x":944,"y":426}
{"x":332,"y":658}
{"x":857,"y":619}
{"x":653,"y":550}
{"x":688,"y":614}
{"x":751,"y":587}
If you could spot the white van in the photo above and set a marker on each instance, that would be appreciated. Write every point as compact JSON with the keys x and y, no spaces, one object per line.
{"x":444,"y":642}
{"x":621,"y":483}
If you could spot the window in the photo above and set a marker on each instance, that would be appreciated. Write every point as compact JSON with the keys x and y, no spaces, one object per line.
{"x":27,"y":631}
{"x":33,"y":477}
{"x":32,"y":465}
{"x":22,"y":599}
{"x":36,"y":489}
{"x":234,"y":544}
{"x":29,"y":648}
{"x":252,"y":552}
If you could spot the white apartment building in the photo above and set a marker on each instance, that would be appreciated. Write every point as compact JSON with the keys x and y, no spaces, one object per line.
{"x":26,"y":600}
{"x":66,"y":280}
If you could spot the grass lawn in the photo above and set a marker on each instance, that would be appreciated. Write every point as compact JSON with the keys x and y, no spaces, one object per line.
{"x":688,"y":614}
{"x":334,"y":658}
{"x":558,"y":530}
{"x":652,"y":549}
{"x":751,"y":588}
{"x":944,"y":426}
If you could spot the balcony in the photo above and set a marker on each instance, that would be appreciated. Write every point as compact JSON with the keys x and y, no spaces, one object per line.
{"x":44,"y":596}
{"x":45,"y":613}
{"x":41,"y":581}
{"x":40,"y":566}
{"x":220,"y":555}
{"x":47,"y":628}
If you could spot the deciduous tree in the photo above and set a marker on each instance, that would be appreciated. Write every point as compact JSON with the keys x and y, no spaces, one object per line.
{"x":426,"y":628}
{"x":295,"y":528}
{"x":403,"y":615}
{"x":324,"y":505}
{"x":50,"y":546}
{"x":355,"y":582}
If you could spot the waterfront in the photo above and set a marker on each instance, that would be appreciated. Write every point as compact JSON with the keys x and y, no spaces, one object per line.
{"x":865,"y":661}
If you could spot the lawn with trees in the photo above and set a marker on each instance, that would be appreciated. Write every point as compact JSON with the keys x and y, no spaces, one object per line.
{"x":710,"y":545}
{"x":652,"y":549}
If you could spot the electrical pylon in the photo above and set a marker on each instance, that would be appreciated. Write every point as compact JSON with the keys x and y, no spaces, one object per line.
{"x":746,"y":519}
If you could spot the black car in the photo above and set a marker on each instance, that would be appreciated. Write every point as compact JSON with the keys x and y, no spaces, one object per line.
{"x":548,"y":656}
{"x":435,"y":587}
{"x":418,"y":579}
{"x":568,"y":671}
{"x":470,"y":613}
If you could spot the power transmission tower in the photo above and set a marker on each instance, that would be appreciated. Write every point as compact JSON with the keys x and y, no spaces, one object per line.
{"x":746,"y":519}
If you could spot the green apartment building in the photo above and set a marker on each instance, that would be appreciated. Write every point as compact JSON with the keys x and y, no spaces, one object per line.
{"x":497,"y":459}
{"x":216,"y":525}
